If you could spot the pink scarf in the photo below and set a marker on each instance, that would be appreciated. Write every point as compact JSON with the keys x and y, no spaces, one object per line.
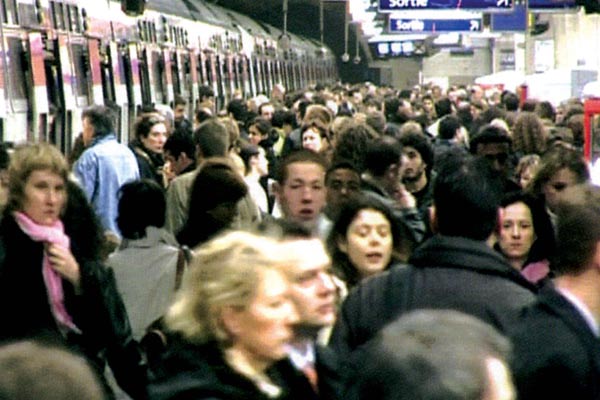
{"x":53,"y":234}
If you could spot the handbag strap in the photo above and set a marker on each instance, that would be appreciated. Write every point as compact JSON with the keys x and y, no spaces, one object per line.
{"x":181,"y":259}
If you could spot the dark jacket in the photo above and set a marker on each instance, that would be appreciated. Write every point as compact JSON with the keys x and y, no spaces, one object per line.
{"x":446,"y":273}
{"x":199,"y":372}
{"x":556,"y":355}
{"x":150,"y":164}
{"x":97,"y":311}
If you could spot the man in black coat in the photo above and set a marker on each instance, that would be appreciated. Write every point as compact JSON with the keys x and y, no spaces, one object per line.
{"x":556,"y":346}
{"x":455,"y":269}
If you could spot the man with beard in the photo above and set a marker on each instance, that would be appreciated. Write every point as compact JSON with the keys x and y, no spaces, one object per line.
{"x":417,"y":155}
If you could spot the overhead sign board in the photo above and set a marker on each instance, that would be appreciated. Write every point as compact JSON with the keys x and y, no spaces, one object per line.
{"x":403,"y":25}
{"x":552,"y":5}
{"x":516,"y":21}
{"x":480,"y":5}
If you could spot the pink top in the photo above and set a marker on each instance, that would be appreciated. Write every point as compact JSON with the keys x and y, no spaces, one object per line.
{"x":536,"y":271}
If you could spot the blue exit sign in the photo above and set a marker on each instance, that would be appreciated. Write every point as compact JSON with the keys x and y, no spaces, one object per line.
{"x":481,"y":5}
{"x":405,"y":25}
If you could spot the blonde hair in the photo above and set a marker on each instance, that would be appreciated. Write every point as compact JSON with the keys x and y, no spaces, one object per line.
{"x":31,"y":157}
{"x":224,"y":272}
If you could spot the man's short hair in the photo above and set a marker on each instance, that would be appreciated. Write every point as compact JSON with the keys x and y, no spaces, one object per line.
{"x":212,"y":139}
{"x":179,"y":143}
{"x":489,"y":134}
{"x":577,"y":229}
{"x":298,"y":156}
{"x":30,"y":370}
{"x":179,"y":101}
{"x":466,"y":195}
{"x":511,"y":101}
{"x":205,"y":91}
{"x":428,"y":354}
{"x":100,"y":118}
{"x":448,"y":127}
{"x":381,"y":153}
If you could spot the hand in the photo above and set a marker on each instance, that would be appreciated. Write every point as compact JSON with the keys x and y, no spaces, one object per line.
{"x":404,"y":198}
{"x":63,"y":262}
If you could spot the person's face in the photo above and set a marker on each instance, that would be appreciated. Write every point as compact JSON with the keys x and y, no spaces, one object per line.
{"x":368,"y":242}
{"x":3,"y":188}
{"x":312,"y":288}
{"x":556,"y":185}
{"x":526,"y":177}
{"x":156,"y":138}
{"x":496,"y":154}
{"x":254,"y":135}
{"x":260,"y":163}
{"x":428,"y":105}
{"x":262,"y":330}
{"x":312,"y":140}
{"x":88,"y":132}
{"x":267,"y":112}
{"x":302,"y":195}
{"x":177,"y":164}
{"x":179,"y":111}
{"x":413,"y":165}
{"x":516,"y":232}
{"x":45,"y":196}
{"x":341,"y":184}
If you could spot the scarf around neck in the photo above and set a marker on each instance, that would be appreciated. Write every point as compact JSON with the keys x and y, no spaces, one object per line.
{"x":50,"y":234}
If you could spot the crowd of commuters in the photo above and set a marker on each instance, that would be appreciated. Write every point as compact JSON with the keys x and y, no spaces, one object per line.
{"x":354,"y":242}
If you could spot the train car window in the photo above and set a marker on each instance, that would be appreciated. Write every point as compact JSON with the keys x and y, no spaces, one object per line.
{"x":17,"y":69}
{"x":157,"y":76}
{"x":27,"y":15}
{"x":73,"y":17}
{"x":58,"y":15}
{"x":81,"y":70}
{"x":9,"y":12}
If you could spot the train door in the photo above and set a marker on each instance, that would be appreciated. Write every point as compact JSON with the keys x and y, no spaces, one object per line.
{"x":231,"y":76}
{"x":114,"y":86}
{"x":16,"y":125}
{"x":193,"y":78}
{"x":38,"y":99}
{"x":145,"y":58}
{"x":251,"y":76}
{"x":246,"y":83}
{"x":591,"y":121}
{"x":130,"y":67}
{"x":158,"y":87}
{"x":168,"y":73}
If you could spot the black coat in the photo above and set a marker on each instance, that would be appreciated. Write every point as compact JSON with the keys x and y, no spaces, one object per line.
{"x":446,"y":273}
{"x":556,"y":355}
{"x":197,"y":372}
{"x":98,"y":310}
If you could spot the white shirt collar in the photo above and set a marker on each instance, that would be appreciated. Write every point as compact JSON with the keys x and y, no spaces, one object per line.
{"x":302,"y":354}
{"x":583,"y":309}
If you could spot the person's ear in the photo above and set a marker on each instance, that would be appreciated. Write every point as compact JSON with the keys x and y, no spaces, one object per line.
{"x":342,"y":244}
{"x":230,"y":317}
{"x":433,"y":222}
{"x":277,"y":189}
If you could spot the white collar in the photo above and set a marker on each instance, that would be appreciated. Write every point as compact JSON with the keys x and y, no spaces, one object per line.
{"x":302,"y":354}
{"x":583,"y":309}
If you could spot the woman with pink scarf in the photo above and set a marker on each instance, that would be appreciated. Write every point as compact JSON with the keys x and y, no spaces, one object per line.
{"x":49,"y":294}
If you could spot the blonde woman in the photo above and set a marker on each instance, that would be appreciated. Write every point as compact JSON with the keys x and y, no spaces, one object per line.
{"x":234,"y":319}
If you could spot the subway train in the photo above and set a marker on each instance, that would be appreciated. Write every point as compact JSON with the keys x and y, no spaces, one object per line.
{"x":58,"y":57}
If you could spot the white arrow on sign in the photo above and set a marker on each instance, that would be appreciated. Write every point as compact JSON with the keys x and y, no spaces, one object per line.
{"x":502,"y":3}
{"x":474,"y":25}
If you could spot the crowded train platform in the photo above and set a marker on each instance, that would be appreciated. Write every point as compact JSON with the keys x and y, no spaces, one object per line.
{"x":266,"y":230}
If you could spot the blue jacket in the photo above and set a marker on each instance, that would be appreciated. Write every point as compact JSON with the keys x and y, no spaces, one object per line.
{"x":101,"y":170}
